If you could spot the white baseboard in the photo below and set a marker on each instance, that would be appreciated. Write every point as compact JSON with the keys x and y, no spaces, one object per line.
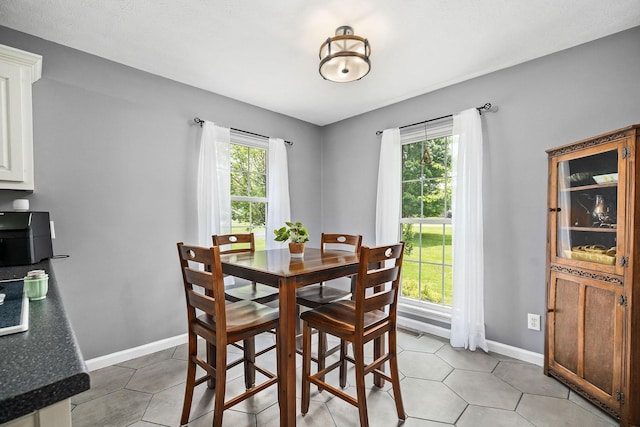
{"x":516,"y":353}
{"x":143,"y":350}
{"x":132,"y":353}
{"x":495,"y":347}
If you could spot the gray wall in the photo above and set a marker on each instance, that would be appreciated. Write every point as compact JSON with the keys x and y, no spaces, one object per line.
{"x":115,"y":164}
{"x":551,"y":101}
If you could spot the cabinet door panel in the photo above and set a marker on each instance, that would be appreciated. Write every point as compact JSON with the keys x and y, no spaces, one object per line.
{"x":11,"y":137}
{"x":599,"y":332}
{"x":585,"y":334}
{"x":18,"y":71}
{"x":567,"y":296}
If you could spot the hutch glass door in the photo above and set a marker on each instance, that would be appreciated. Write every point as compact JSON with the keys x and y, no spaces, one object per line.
{"x":589,"y":209}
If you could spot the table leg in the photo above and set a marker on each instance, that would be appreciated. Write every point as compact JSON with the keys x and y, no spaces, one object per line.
{"x":287,"y":356}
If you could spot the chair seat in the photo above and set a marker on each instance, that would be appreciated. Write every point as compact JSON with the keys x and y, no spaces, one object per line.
{"x":317,"y":295}
{"x":254,"y":292}
{"x":340,"y":318}
{"x":243,"y":316}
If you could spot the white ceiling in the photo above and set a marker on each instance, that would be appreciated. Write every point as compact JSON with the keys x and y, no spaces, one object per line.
{"x":265,"y":53}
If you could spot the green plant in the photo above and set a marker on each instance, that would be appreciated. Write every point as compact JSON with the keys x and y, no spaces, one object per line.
{"x":292,"y":231}
{"x":407,"y":236}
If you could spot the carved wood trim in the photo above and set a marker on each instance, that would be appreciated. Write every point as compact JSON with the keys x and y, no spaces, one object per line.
{"x":588,"y":274}
{"x":585,"y":394}
{"x":586,"y":144}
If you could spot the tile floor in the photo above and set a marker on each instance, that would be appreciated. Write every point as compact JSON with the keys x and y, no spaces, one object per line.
{"x":441,"y":387}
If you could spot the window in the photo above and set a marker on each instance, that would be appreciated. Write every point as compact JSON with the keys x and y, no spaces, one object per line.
{"x":248,"y":167}
{"x":426,"y":215}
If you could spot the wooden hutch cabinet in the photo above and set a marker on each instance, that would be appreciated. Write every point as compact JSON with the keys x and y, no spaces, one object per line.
{"x":592,"y":336}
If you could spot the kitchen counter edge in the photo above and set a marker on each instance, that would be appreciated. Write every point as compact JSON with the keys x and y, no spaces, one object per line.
{"x":43,"y":365}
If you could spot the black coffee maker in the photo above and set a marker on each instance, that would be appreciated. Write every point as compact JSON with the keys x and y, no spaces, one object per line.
{"x":25,"y":238}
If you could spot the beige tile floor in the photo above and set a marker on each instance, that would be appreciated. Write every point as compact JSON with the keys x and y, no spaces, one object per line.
{"x":441,"y":387}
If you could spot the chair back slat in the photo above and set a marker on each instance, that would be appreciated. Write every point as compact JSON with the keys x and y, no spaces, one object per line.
{"x":379,"y":300}
{"x":201,"y":302}
{"x":340,"y":242}
{"x":377,"y":277}
{"x":234,"y":243}
{"x":199,"y":278}
{"x":388,"y":252}
{"x":196,"y":254}
{"x":195,"y":262}
{"x":378,"y":281}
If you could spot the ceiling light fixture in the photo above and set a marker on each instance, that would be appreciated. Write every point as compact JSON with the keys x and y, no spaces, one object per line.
{"x":344,"y":57}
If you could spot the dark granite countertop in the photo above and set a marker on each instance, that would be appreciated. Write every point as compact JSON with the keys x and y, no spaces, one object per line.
{"x":42,"y":365}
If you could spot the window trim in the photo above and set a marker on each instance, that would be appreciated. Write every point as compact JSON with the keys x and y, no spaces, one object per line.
{"x":413,"y":307}
{"x":435,"y":129}
{"x":240,"y":138}
{"x":430,"y":220}
{"x":424,"y":309}
{"x":248,"y":199}
{"x":256,"y":142}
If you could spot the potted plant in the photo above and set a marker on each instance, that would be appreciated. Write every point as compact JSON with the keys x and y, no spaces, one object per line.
{"x":296,"y":234}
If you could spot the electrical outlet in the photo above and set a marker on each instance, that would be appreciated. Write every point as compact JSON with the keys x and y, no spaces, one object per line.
{"x":533,"y":321}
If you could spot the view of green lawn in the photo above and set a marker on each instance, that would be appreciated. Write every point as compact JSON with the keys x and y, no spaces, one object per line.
{"x":427,"y":271}
{"x":258,"y":234}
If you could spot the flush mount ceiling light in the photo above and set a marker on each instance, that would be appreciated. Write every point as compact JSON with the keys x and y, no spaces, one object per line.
{"x":344,"y":57}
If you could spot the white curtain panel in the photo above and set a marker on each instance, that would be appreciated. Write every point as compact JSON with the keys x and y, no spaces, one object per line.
{"x":214,"y":185}
{"x":467,"y":317}
{"x":389,"y":197}
{"x":278,"y":204}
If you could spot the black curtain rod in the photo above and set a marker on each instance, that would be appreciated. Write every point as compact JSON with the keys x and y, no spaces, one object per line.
{"x":199,"y":121}
{"x":485,"y":107}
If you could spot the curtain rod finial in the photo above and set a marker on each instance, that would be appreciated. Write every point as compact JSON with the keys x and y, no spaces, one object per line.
{"x":485,"y":107}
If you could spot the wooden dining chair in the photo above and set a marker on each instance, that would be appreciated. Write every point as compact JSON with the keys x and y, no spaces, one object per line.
{"x":220,"y":324}
{"x":314,"y":296}
{"x":233,"y":244}
{"x":371,"y":314}
{"x":238,"y":243}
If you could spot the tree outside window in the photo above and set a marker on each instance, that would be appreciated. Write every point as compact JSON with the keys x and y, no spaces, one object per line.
{"x":248,"y":167}
{"x":426,"y":220}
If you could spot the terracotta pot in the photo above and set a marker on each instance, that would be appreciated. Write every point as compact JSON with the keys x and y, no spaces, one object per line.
{"x":296,"y":250}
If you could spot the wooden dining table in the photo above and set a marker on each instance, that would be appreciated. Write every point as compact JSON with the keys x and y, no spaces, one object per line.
{"x":276,"y":267}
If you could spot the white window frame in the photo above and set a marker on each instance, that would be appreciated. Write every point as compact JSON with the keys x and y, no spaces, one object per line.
{"x":252,"y":141}
{"x":409,"y":306}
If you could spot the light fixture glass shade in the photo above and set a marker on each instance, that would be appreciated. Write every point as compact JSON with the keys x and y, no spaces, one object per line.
{"x":344,"y":57}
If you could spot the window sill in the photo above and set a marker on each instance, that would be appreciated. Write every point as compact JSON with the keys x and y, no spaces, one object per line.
{"x":428,"y":312}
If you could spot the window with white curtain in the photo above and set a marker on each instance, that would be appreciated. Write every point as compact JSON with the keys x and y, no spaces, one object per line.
{"x":425,"y":222}
{"x":248,"y":167}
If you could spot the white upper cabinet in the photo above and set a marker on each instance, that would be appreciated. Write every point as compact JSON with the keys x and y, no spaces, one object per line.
{"x":18,"y":71}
